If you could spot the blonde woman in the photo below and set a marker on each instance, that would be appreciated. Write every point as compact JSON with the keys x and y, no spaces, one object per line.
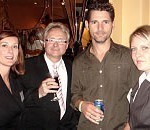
{"x":140,"y":97}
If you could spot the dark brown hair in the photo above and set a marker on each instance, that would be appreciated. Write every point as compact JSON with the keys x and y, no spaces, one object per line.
{"x":100,"y":6}
{"x":18,"y":67}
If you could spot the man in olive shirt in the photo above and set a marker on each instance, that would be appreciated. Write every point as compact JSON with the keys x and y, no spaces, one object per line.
{"x":104,"y":71}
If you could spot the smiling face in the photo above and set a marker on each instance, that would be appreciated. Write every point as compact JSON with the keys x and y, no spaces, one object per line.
{"x":100,"y":26}
{"x":141,"y":53}
{"x":8,"y":51}
{"x":55,"y":44}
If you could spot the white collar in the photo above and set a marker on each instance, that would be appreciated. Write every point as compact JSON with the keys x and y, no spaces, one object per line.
{"x":50,"y":62}
{"x":143,"y":77}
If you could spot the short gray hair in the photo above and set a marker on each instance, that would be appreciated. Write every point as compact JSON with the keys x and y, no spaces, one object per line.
{"x":57,"y":25}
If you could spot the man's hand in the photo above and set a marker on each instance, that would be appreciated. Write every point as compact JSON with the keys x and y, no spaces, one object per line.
{"x":91,"y":112}
{"x":46,"y":87}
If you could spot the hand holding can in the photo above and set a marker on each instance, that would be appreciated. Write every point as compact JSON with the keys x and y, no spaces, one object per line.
{"x":100,"y":105}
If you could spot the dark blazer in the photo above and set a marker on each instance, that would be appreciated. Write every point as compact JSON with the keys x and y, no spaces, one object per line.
{"x":11,"y":105}
{"x":43,"y":114}
{"x":140,"y":108}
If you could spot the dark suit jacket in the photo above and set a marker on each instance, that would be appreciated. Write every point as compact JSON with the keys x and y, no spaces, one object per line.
{"x":140,"y":108}
{"x":10,"y":104}
{"x":43,"y":114}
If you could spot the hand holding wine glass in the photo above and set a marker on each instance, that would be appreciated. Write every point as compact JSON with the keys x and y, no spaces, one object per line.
{"x":55,"y":76}
{"x":48,"y":86}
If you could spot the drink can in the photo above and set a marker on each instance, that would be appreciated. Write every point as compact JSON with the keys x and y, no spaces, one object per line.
{"x":99,"y":104}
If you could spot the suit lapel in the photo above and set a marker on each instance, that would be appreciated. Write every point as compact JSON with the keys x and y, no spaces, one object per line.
{"x":133,"y":92}
{"x":16,"y":92}
{"x":142,"y":93}
{"x":69,"y":75}
{"x":42,"y":67}
{"x":14,"y":97}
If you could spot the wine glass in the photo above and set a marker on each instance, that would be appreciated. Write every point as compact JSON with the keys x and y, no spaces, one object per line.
{"x":55,"y":76}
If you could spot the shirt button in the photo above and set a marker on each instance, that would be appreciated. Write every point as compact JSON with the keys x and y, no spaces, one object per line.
{"x":101,"y":86}
{"x":119,"y":67}
{"x":100,"y":71}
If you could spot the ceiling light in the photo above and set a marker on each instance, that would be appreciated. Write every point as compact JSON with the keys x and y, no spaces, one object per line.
{"x":63,"y":2}
{"x":35,"y":3}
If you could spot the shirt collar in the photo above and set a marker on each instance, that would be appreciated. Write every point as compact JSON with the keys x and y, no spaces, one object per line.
{"x":113,"y":48}
{"x":48,"y":61}
{"x":143,"y":77}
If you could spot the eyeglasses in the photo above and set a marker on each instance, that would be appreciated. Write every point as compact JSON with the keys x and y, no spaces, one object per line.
{"x":59,"y":41}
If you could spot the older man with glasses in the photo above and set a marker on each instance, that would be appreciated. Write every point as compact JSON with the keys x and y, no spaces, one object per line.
{"x":47,"y":100}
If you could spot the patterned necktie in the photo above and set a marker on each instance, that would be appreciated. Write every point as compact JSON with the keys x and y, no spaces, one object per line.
{"x":55,"y":72}
{"x":61,"y":100}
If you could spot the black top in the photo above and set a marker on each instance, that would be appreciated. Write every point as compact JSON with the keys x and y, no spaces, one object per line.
{"x":139,"y":109}
{"x":10,"y":104}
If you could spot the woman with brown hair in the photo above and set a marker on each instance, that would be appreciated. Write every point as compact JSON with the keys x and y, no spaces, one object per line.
{"x":11,"y":65}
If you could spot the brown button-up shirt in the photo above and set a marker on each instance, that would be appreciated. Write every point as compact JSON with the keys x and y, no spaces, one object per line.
{"x":109,"y":80}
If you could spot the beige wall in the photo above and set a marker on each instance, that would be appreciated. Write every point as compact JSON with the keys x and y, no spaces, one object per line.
{"x":129,"y":15}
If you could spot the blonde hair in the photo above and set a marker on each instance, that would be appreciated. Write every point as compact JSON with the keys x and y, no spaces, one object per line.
{"x":57,"y":25}
{"x":142,"y":31}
